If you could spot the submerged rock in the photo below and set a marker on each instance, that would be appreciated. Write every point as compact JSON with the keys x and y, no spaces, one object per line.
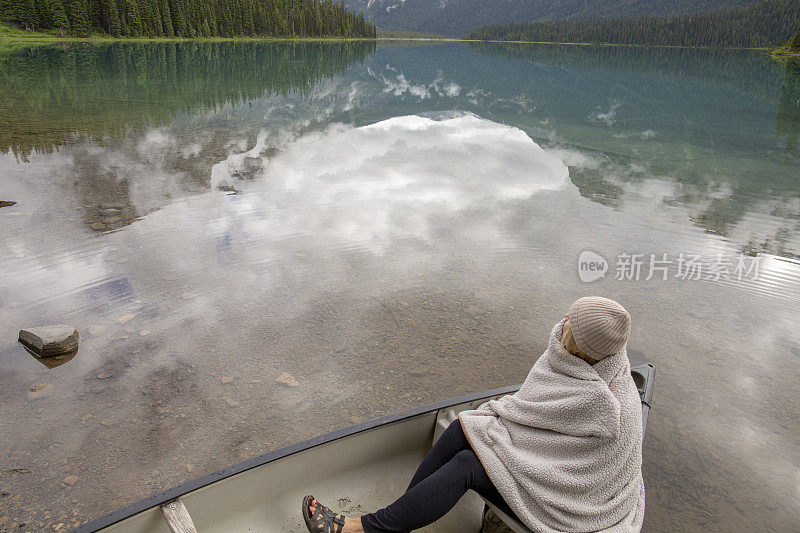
{"x":418,"y":372}
{"x":39,"y":391}
{"x":97,"y":330}
{"x":287,"y":379}
{"x":126,"y":318}
{"x":231,"y":402}
{"x":6,"y":203}
{"x":48,"y":341}
{"x":253,"y":163}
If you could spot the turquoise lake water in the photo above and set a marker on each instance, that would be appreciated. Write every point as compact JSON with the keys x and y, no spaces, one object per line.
{"x":390,"y":226}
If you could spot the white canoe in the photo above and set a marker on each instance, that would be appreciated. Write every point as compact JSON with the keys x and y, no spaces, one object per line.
{"x":353,"y":470}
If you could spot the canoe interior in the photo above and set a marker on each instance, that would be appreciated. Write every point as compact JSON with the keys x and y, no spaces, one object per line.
{"x":353,"y":471}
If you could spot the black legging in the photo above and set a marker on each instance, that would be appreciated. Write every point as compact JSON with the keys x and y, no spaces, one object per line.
{"x":449,"y":470}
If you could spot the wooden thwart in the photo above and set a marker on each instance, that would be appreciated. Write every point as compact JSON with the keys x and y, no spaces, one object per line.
{"x":177,"y":517}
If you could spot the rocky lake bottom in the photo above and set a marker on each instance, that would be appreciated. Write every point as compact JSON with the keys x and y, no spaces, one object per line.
{"x":255,"y":258}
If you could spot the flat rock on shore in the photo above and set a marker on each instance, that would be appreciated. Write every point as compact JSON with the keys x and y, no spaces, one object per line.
{"x":49,"y":341}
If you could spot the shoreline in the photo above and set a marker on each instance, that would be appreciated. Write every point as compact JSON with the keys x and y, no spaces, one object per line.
{"x":23,"y":41}
{"x":57,"y":40}
{"x":783,"y":52}
{"x":12,"y":37}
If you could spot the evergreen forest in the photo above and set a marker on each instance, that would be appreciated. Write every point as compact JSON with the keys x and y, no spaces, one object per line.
{"x":766,"y":23}
{"x":188,"y":18}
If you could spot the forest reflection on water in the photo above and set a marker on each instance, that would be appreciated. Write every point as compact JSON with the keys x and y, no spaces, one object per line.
{"x":403,"y":220}
{"x":51,"y":94}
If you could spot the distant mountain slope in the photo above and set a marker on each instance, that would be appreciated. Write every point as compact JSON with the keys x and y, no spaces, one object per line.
{"x":457,"y":17}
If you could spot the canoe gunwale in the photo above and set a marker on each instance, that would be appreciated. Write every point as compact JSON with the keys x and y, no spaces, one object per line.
{"x":647,"y":370}
{"x":260,"y":460}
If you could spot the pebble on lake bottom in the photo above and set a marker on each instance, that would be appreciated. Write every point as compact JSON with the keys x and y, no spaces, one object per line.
{"x":231,"y":402}
{"x":97,"y":330}
{"x":70,"y":480}
{"x":287,"y":379}
{"x":39,"y":391}
{"x":126,"y":318}
{"x":419,"y":371}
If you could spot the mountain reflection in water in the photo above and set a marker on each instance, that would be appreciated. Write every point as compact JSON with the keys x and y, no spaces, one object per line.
{"x":403,"y":222}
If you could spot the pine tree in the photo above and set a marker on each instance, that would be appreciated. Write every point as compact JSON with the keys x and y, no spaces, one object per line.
{"x":166,"y":18}
{"x":60,"y":20}
{"x":794,"y":44}
{"x":78,"y":20}
{"x":27,"y":15}
{"x":110,"y":17}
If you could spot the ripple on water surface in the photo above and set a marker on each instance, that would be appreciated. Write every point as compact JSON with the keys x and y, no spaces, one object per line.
{"x":228,"y":263}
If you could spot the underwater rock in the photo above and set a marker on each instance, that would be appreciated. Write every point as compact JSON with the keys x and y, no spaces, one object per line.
{"x":231,"y":402}
{"x":420,"y":371}
{"x":48,"y":341}
{"x":126,"y":318}
{"x":287,"y":379}
{"x":97,"y":330}
{"x":98,"y":225}
{"x":250,"y":166}
{"x":253,"y":163}
{"x":39,"y":391}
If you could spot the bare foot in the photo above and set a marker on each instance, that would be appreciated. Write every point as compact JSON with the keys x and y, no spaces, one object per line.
{"x":351,"y":525}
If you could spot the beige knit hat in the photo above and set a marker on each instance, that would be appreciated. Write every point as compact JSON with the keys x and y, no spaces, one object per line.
{"x":600,"y":326}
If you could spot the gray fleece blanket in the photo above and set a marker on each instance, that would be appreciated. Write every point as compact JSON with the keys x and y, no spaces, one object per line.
{"x":566,"y":450}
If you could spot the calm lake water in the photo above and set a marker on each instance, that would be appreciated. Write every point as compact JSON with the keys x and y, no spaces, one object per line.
{"x":390,"y":226}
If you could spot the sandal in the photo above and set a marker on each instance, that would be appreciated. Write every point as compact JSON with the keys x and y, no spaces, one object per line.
{"x":330,"y":521}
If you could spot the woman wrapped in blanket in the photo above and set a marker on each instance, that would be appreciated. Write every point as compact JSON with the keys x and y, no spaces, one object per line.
{"x":564,"y":453}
